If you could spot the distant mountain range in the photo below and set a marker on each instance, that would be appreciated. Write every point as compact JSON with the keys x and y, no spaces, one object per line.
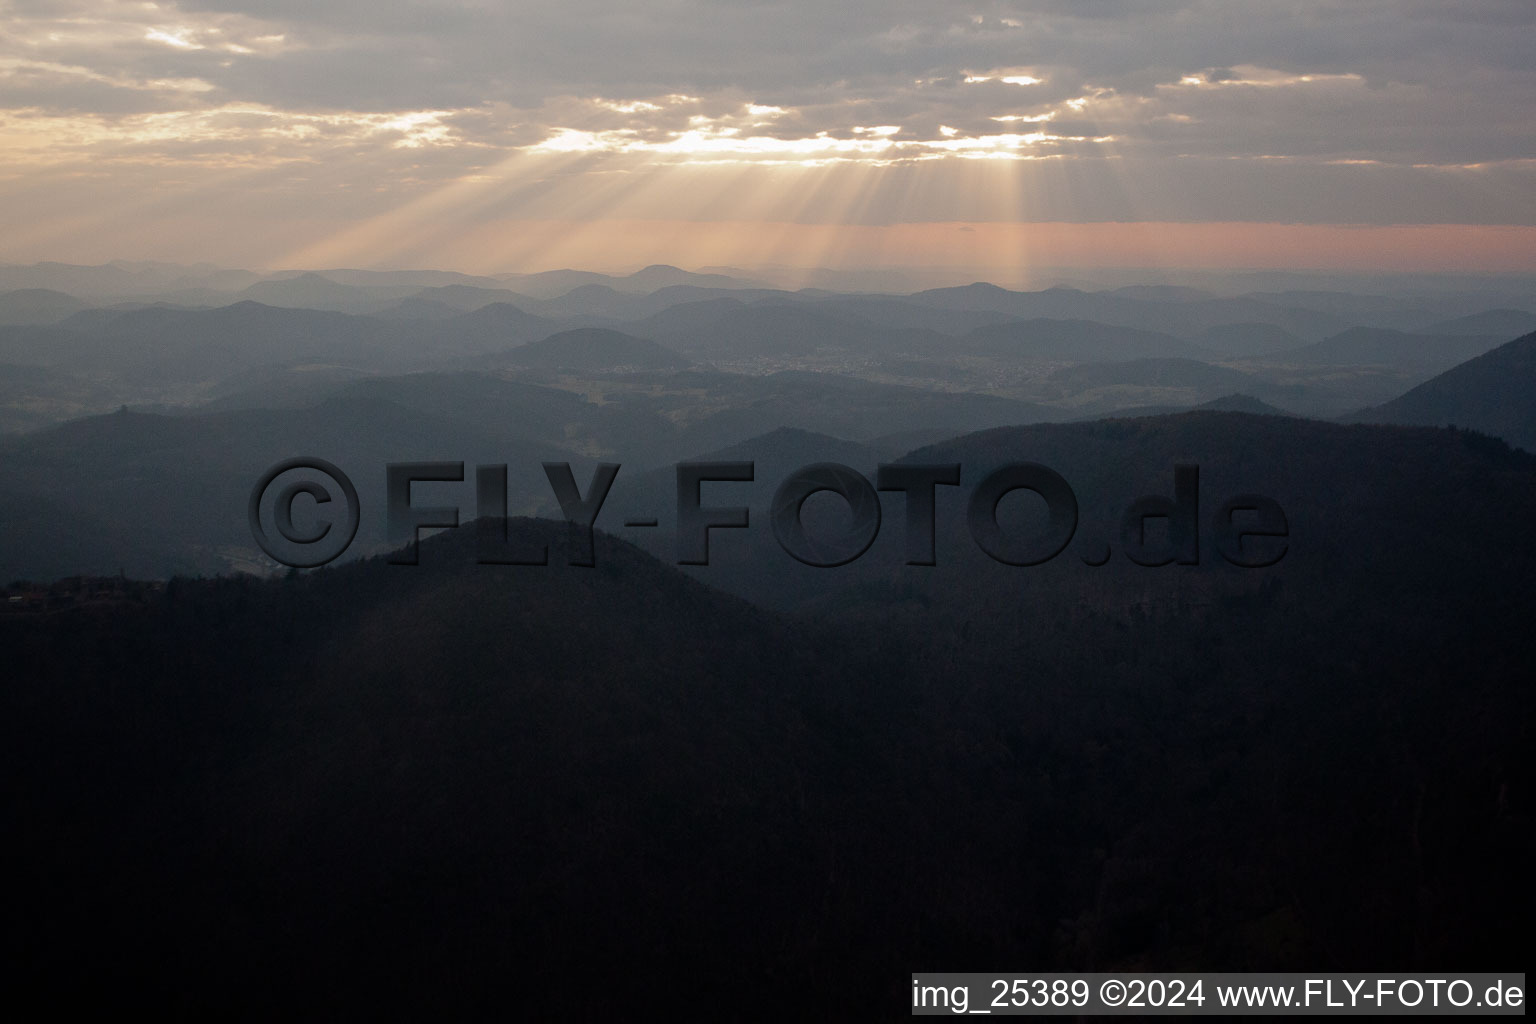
{"x":164,"y":338}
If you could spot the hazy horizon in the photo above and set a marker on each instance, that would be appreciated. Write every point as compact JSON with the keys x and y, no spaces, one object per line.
{"x":1515,"y":285}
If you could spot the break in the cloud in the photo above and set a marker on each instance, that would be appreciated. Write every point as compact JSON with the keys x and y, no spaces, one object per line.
{"x":372,"y":122}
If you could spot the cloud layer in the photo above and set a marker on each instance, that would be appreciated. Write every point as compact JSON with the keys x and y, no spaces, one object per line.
{"x":1369,"y":111}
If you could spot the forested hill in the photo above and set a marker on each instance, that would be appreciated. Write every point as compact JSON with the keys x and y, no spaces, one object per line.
{"x":1494,"y":393}
{"x":390,"y":789}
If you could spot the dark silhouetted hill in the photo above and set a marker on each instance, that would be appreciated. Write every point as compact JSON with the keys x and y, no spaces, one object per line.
{"x":1242,"y":403}
{"x":368,"y":790}
{"x":1494,"y":393}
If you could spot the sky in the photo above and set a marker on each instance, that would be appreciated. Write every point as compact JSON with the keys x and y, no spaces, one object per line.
{"x":486,"y":136}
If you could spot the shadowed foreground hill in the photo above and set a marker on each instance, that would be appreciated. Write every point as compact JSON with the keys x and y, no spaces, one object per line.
{"x":454,"y":788}
{"x":386,"y":786}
